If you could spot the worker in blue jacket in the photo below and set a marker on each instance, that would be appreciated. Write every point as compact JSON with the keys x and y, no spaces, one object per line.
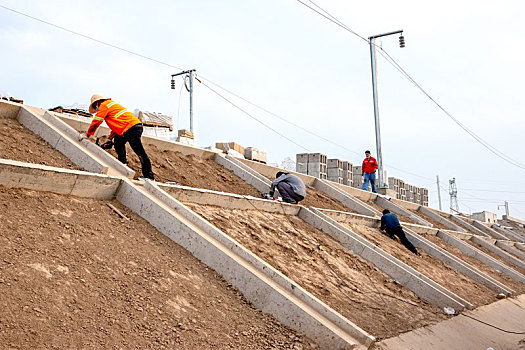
{"x":390,"y":223}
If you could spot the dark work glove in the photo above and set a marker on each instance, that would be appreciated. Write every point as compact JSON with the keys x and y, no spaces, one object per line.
{"x":271,"y":193}
{"x":107,"y":145}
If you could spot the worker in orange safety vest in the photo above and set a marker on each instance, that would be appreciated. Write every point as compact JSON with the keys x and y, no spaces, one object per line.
{"x":125,"y":127}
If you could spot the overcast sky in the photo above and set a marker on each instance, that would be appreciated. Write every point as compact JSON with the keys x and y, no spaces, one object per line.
{"x":278,"y":54}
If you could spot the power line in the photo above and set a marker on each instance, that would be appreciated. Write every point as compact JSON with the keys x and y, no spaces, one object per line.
{"x":398,"y":67}
{"x":90,"y":38}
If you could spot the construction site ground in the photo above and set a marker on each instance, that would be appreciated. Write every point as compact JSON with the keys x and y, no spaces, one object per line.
{"x":73,"y":274}
{"x":456,"y":282}
{"x":497,"y":257}
{"x":429,"y":219}
{"x":193,"y":171}
{"x":518,"y":287}
{"x":21,"y":144}
{"x":347,"y":283}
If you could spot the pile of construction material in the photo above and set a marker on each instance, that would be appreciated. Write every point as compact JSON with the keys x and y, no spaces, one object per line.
{"x":314,"y":164}
{"x":185,"y":136}
{"x":239,"y":151}
{"x":408,"y":192}
{"x":76,"y":111}
{"x":156,"y":124}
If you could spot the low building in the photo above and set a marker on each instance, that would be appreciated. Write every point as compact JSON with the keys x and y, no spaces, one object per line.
{"x":485,"y":216}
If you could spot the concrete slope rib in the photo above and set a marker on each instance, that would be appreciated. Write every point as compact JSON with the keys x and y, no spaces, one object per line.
{"x":456,"y":263}
{"x":112,"y":162}
{"x":407,"y":276}
{"x":393,"y":207}
{"x":510,"y":235}
{"x":490,"y":245}
{"x":509,"y":247}
{"x":347,"y":199}
{"x":481,"y":256}
{"x":490,"y":232}
{"x":468,"y":226}
{"x":435,"y":216}
{"x":247,"y":168}
{"x":60,"y":141}
{"x":520,"y":246}
{"x":239,"y":169}
{"x":267,"y":288}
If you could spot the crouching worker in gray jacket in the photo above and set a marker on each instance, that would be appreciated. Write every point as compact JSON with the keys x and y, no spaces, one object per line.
{"x":290,"y":187}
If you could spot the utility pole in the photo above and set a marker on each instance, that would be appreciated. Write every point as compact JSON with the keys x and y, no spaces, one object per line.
{"x":439,"y":192}
{"x":189,"y":76}
{"x":371,"y":41}
{"x":506,"y":205}
{"x":453,"y":191}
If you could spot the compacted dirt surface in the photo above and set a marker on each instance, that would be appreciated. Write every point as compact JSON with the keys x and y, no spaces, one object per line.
{"x":432,"y":221}
{"x":21,"y":144}
{"x":193,"y":171}
{"x":461,"y":285}
{"x":519,"y":288}
{"x":316,"y":198}
{"x":347,"y":283}
{"x":73,"y":274}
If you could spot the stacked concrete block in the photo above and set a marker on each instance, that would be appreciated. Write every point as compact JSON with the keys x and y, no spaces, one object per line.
{"x":423,"y":196}
{"x":402,"y":190}
{"x":317,"y":165}
{"x":335,"y":170}
{"x":416,"y":195}
{"x":347,"y":173}
{"x":357,"y":179}
{"x":408,"y":192}
{"x":301,"y":163}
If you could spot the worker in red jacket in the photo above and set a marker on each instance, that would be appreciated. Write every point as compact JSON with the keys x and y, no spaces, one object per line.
{"x":125,"y":127}
{"x":368,"y":171}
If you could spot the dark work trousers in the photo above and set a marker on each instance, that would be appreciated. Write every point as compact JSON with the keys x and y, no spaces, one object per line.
{"x":287,"y":193}
{"x":133,"y":137}
{"x":398,"y":231}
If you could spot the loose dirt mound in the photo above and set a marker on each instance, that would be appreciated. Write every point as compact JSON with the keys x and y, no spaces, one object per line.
{"x":506,"y":280}
{"x":21,"y":144}
{"x":291,"y":250}
{"x":75,"y":275}
{"x":456,"y":282}
{"x":193,"y":171}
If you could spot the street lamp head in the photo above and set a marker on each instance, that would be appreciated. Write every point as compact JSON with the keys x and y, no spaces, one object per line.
{"x":172,"y":83}
{"x":401,"y":41}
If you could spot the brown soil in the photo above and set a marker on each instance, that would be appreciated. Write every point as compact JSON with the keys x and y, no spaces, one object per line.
{"x":193,"y":171}
{"x":430,"y":266}
{"x":497,"y":257}
{"x":401,"y":218}
{"x":318,"y":199}
{"x":432,"y":221}
{"x":292,"y":250}
{"x":506,"y":280}
{"x":75,"y":275}
{"x":19,"y":143}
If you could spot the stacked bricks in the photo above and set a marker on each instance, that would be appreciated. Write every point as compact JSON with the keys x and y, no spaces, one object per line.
{"x":423,"y":195}
{"x":347,"y":173}
{"x":313,"y":164}
{"x":357,"y":179}
{"x":335,"y":170}
{"x":409,"y":192}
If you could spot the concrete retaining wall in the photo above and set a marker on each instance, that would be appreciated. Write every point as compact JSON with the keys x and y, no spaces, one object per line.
{"x":481,"y":256}
{"x":348,"y":200}
{"x":228,"y":200}
{"x":37,"y":177}
{"x":420,"y":284}
{"x":431,"y":214}
{"x":490,"y":245}
{"x":61,"y":141}
{"x":393,"y":207}
{"x":266,"y":287}
{"x":456,"y":263}
{"x":262,"y":185}
{"x":9,"y":109}
{"x":116,"y":167}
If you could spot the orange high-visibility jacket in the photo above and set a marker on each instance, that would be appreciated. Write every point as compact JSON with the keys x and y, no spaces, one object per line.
{"x":118,"y":119}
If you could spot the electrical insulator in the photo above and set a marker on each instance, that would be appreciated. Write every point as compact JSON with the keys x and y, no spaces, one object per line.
{"x":173,"y":83}
{"x":401,"y":41}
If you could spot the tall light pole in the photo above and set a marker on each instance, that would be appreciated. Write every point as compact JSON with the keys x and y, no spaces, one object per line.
{"x":189,"y":74}
{"x":371,"y":41}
